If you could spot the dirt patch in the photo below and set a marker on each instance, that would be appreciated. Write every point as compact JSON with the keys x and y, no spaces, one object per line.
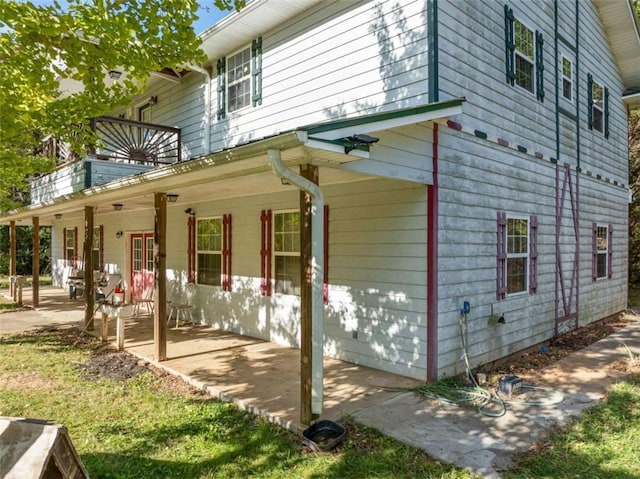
{"x":118,"y":366}
{"x":532,"y":360}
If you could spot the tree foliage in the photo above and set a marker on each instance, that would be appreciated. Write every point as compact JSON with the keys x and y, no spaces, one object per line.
{"x":43,"y":49}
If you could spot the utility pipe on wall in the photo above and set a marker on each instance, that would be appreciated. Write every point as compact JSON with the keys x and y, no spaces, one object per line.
{"x":317,"y":268}
{"x":207,"y":105}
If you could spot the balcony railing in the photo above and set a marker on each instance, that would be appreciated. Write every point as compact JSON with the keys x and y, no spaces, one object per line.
{"x":134,"y":142}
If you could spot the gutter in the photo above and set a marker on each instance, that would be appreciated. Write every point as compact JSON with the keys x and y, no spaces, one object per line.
{"x":317,"y":269}
{"x":207,"y":105}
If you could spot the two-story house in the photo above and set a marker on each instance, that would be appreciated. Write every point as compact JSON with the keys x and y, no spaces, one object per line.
{"x":466,"y":165}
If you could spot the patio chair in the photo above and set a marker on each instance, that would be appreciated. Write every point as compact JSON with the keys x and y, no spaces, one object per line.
{"x":181,"y":303}
{"x":146,"y":299}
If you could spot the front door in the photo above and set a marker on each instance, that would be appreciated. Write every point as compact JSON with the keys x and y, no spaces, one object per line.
{"x":141,"y":265}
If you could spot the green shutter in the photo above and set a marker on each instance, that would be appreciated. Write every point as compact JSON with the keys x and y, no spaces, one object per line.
{"x":256,"y":84}
{"x":539,"y":67}
{"x":606,"y":112}
{"x":222,"y":63}
{"x":590,"y":101}
{"x":510,"y":45}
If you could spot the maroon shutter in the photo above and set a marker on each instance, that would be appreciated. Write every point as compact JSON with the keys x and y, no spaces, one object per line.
{"x":226,"y":253}
{"x":594,"y":252}
{"x":100,"y":266}
{"x":64,"y":246}
{"x":610,"y":252}
{"x":75,"y":247}
{"x":325,"y":273}
{"x":501,"y":266}
{"x":533,"y":254}
{"x":191,"y":249}
{"x":265,"y":253}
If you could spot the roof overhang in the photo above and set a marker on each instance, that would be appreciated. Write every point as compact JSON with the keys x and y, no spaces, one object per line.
{"x":632,"y":100}
{"x":255,"y":19}
{"x":621,"y":27}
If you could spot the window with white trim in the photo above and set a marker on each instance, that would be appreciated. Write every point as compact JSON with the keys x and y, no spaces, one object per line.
{"x":517,"y":254}
{"x":597,"y":106}
{"x":567,"y":79}
{"x":70,"y":244}
{"x":209,"y":251}
{"x":524,"y":56}
{"x":602,"y":252}
{"x":97,"y":248}
{"x":239,"y":80}
{"x":286,"y":252}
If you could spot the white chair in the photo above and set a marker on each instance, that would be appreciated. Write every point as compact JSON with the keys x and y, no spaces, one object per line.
{"x":146,"y":299}
{"x":181,"y":303}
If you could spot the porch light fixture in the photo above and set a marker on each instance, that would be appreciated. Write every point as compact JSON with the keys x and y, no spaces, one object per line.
{"x":153,"y":100}
{"x":115,"y":74}
{"x":58,"y":216}
{"x":117,"y":206}
{"x":172,"y":197}
{"x":119,"y":234}
{"x":190,"y":211}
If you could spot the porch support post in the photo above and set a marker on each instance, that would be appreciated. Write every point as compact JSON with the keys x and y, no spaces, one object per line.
{"x":309,"y":172}
{"x":316,"y":262}
{"x":160,"y":277}
{"x":87,"y":252}
{"x":12,"y":259}
{"x":35,"y":270}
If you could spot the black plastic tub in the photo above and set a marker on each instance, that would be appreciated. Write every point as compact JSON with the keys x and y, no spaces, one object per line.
{"x":323,"y":435}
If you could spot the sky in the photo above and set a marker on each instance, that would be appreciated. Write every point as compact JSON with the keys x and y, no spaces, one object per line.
{"x":208,"y":13}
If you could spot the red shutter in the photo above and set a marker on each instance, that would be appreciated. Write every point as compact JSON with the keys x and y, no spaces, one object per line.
{"x":325,"y":280}
{"x":100,"y":267}
{"x":265,"y":253}
{"x":226,"y":253}
{"x":75,"y":247}
{"x":64,"y":247}
{"x":533,"y":254}
{"x":191,"y":249}
{"x":610,"y":252}
{"x":594,"y":252}
{"x":501,"y":266}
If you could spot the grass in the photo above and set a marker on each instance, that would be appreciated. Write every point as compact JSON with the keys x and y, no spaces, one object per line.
{"x":139,"y":429}
{"x":44,"y":280}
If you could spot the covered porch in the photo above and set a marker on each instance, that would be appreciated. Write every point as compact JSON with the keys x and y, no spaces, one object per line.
{"x":258,"y":376}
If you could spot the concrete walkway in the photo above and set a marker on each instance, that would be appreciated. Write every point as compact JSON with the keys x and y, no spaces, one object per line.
{"x":264,"y":378}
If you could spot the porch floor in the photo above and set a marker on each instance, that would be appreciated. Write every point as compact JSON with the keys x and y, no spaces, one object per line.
{"x":257,"y":375}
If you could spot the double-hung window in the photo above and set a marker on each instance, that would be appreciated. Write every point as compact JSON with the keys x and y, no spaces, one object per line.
{"x":70,"y":246}
{"x":517,"y":254}
{"x":597,"y":106}
{"x":286,"y":252}
{"x":524,"y":55}
{"x":209,"y":251}
{"x":602,"y":251}
{"x":240,"y":79}
{"x":97,"y":248}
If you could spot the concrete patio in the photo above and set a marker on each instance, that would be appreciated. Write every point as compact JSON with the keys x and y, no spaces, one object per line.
{"x":257,"y":375}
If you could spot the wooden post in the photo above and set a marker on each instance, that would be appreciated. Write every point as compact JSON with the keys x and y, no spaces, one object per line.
{"x":12,"y":258}
{"x":89,"y":297}
{"x":104,"y":329}
{"x":160,"y":277}
{"x":35,"y":271}
{"x":309,"y":172}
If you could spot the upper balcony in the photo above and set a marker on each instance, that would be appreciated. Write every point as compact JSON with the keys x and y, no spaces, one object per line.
{"x":124,"y":148}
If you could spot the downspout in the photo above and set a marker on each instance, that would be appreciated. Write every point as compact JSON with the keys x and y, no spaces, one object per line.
{"x":317,"y":264}
{"x":207,"y":105}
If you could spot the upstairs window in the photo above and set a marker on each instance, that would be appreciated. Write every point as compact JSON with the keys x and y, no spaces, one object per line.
{"x":524,"y":55}
{"x":597,"y":106}
{"x":567,"y":79}
{"x":240,"y":79}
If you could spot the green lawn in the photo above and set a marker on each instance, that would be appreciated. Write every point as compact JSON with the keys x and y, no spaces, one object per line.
{"x":141,"y":428}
